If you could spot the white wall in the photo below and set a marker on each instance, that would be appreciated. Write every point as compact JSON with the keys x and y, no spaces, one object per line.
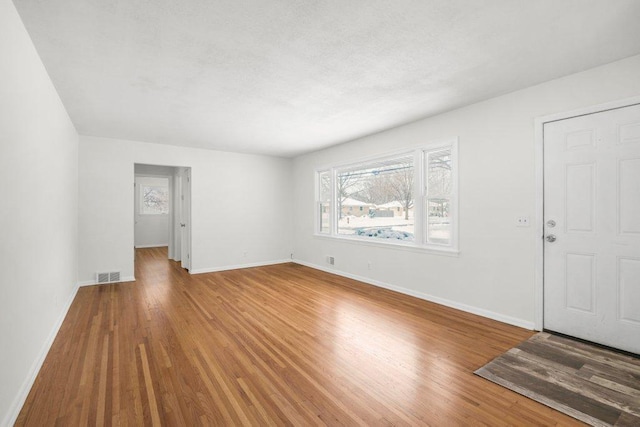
{"x":240,"y":204}
{"x":38,"y":247}
{"x":494,"y":273}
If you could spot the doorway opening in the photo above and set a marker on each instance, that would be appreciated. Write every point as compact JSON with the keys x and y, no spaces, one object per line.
{"x":162,"y":210}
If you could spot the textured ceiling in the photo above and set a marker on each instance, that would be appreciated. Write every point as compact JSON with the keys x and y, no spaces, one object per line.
{"x":285,"y":77}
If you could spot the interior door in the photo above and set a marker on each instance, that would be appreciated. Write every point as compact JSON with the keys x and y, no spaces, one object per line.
{"x":592,"y":227}
{"x":185,"y":220}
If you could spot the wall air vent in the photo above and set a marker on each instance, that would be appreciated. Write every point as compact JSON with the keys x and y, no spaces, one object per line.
{"x":111,"y":277}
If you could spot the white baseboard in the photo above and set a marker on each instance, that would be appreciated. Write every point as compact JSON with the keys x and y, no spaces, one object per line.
{"x":93,"y":282}
{"x":238,"y":266}
{"x":161,"y":245}
{"x":442,"y":301}
{"x":18,"y":402}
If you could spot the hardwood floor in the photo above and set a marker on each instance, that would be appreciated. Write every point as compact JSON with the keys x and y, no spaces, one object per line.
{"x":277,"y":345}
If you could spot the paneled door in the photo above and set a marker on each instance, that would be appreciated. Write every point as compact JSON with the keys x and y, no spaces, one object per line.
{"x":592,"y":227}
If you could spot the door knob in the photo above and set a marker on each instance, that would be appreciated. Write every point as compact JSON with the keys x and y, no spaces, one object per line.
{"x":182,"y":224}
{"x":551,"y":238}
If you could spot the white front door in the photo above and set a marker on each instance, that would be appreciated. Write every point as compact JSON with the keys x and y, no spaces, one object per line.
{"x":592,"y":227}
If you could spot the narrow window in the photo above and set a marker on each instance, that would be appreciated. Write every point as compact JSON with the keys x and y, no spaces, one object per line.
{"x":324,"y":202}
{"x":439,"y":188}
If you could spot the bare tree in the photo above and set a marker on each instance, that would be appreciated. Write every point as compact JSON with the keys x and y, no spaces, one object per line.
{"x":156,"y":199}
{"x":439,"y":182}
{"x":439,"y":179}
{"x":401,"y":184}
{"x":377,"y":190}
{"x":346,"y":182}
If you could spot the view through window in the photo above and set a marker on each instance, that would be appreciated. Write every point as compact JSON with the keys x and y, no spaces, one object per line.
{"x":439,"y":190}
{"x":376,"y":200}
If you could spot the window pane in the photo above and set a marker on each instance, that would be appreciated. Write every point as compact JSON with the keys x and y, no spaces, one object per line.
{"x":325,"y":186}
{"x":324,"y":213}
{"x":155,"y":199}
{"x":439,"y":173}
{"x":324,"y":205}
{"x":439,"y":223}
{"x":376,"y":200}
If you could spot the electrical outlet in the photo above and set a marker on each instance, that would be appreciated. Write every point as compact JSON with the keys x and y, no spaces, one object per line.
{"x":330,"y":260}
{"x":522,"y":221}
{"x":244,"y":254}
{"x":369,"y":265}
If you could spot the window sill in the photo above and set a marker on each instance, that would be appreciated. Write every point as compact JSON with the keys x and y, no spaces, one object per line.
{"x":433,"y":250}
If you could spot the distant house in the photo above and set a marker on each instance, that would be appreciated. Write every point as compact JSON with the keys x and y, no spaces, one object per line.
{"x":394,"y":207}
{"x":356,"y":207}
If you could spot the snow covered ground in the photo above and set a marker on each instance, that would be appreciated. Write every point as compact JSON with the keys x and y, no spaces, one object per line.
{"x":380,"y":227}
{"x":396,"y":228}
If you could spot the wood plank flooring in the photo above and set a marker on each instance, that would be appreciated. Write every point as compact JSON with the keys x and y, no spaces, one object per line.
{"x":596,"y":385}
{"x":277,"y":345}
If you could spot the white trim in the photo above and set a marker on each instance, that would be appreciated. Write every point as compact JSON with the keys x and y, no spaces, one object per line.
{"x":420,"y":209}
{"x":442,"y":301}
{"x":391,"y":244}
{"x":318,"y":203}
{"x":162,"y":245}
{"x":93,"y":282}
{"x":538,"y":228}
{"x":238,"y":266}
{"x":21,"y":397}
{"x":379,"y":159}
{"x":539,"y":170}
{"x":626,"y":102}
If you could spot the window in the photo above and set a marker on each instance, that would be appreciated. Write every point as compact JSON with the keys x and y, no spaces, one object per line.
{"x":438,"y":196}
{"x":324,"y":202}
{"x":406,"y":199}
{"x":154,"y":196}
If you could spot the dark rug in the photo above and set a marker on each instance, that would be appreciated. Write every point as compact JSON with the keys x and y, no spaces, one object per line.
{"x":590,"y":383}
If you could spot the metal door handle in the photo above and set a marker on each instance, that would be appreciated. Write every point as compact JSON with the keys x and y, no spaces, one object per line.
{"x":182,"y":224}
{"x":551,"y":238}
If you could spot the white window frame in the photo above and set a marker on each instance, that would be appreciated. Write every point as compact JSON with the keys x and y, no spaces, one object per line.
{"x":420,"y":242}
